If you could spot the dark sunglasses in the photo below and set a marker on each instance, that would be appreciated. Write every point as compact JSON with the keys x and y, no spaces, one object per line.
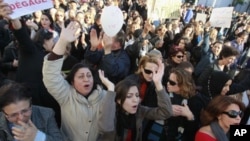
{"x":179,"y":56}
{"x":147,"y":71}
{"x":233,"y":114}
{"x":171,"y":82}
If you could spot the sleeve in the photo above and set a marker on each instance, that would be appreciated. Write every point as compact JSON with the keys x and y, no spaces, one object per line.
{"x":94,"y":57}
{"x":107,"y":113}
{"x":205,"y":45}
{"x":26,"y":46}
{"x":164,"y":109}
{"x":55,"y":83}
{"x":40,"y":136}
{"x":106,"y":123}
{"x":240,"y":87}
{"x":52,"y":131}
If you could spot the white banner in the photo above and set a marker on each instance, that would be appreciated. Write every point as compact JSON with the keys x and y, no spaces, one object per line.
{"x":221,"y":17}
{"x":201,"y":17}
{"x":162,"y":9}
{"x":24,"y":7}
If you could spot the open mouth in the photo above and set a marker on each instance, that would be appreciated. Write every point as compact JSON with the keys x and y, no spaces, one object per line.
{"x":86,"y":86}
{"x":135,"y":107}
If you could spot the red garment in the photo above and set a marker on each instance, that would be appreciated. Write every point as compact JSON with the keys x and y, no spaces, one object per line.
{"x":143,"y":89}
{"x":200,"y":136}
{"x":129,"y":136}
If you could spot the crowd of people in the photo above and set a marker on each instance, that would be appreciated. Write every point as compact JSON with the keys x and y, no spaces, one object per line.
{"x":63,"y":78}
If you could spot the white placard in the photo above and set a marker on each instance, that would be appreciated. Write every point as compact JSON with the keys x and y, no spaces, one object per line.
{"x":112,"y":20}
{"x":201,"y":17}
{"x":221,"y":17}
{"x":163,"y":9}
{"x":24,"y":7}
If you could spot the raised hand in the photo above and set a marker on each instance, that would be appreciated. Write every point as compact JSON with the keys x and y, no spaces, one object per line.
{"x":32,"y":24}
{"x":94,"y":40}
{"x":68,"y":35}
{"x":105,"y":81}
{"x":26,"y":131}
{"x":157,"y":75}
{"x":71,"y":32}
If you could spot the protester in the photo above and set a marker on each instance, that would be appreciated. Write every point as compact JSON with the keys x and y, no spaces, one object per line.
{"x":216,"y":119}
{"x":79,"y":96}
{"x":127,"y":123}
{"x":20,"y":120}
{"x":30,"y":61}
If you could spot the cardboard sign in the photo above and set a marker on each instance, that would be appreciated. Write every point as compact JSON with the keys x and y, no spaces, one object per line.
{"x":221,"y":17}
{"x":112,"y":20}
{"x":169,"y":9}
{"x":201,"y":17}
{"x":24,"y":7}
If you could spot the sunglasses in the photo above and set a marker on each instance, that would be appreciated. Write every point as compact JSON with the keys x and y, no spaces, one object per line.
{"x":171,"y":82}
{"x":147,"y":71}
{"x":179,"y":56}
{"x":233,"y":114}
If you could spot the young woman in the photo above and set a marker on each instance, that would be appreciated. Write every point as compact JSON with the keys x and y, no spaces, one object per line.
{"x":129,"y":114}
{"x":220,"y":113}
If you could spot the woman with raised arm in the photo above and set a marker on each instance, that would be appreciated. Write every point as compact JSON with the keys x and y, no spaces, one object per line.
{"x":126,"y":124}
{"x":79,"y":96}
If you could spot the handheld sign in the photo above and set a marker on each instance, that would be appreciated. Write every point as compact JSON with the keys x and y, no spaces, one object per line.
{"x":221,"y":17}
{"x":111,"y":20}
{"x":24,"y":7}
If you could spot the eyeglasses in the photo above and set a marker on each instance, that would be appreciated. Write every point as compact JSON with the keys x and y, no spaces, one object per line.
{"x":179,"y":56}
{"x":171,"y":82}
{"x":233,"y":114}
{"x":147,"y":71}
{"x":24,"y":112}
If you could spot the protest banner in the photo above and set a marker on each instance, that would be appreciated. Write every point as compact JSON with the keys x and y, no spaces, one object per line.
{"x":164,"y":9}
{"x":24,"y":7}
{"x":201,"y":17}
{"x":221,"y":17}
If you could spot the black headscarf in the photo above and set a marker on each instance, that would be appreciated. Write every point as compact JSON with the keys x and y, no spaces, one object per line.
{"x":215,"y":83}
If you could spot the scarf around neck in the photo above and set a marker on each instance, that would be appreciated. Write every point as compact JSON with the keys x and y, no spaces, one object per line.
{"x":218,"y":132}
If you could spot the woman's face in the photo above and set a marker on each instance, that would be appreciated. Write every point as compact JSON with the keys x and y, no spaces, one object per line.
{"x":87,"y":19}
{"x":60,"y":16}
{"x":83,"y":81}
{"x":172,"y":84}
{"x":188,"y":31}
{"x":225,"y":120}
{"x":45,"y":22}
{"x":229,"y":60}
{"x":147,"y":71}
{"x":182,"y":44}
{"x":178,"y":58}
{"x":132,"y":100}
{"x":216,"y":49}
{"x":226,"y":87}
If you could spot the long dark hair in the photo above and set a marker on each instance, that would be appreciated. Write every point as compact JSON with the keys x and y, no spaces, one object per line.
{"x":124,"y":120}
